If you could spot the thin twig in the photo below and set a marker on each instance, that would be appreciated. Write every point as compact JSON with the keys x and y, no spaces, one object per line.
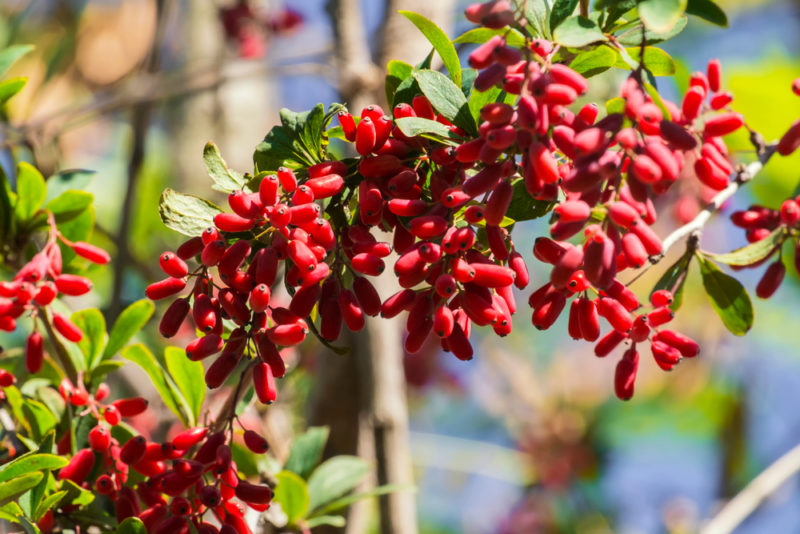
{"x":228,"y":409}
{"x":61,"y":352}
{"x":754,"y":494}
{"x":741,"y":176}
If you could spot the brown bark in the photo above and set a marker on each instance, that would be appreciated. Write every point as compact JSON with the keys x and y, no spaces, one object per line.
{"x":361,"y":395}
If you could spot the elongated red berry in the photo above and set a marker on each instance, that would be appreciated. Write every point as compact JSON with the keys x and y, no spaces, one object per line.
{"x":67,"y":328}
{"x":771,"y":279}
{"x":255,"y":442}
{"x":92,"y":253}
{"x":625,"y":374}
{"x":34,"y":352}
{"x":78,"y":467}
{"x":264,"y":383}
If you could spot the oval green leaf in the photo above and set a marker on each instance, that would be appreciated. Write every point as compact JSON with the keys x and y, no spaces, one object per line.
{"x":441,"y":43}
{"x":752,"y":253}
{"x":292,"y":494}
{"x":728,"y":298}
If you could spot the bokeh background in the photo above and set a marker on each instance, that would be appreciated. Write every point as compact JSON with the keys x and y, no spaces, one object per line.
{"x":527,"y":437}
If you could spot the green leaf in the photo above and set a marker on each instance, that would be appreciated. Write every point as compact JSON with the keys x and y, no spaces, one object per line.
{"x":632,"y":36}
{"x":292,"y":494}
{"x":708,"y":11}
{"x":31,"y":191}
{"x":728,"y":298}
{"x":187,"y":376}
{"x":753,"y":252}
{"x":307,"y":450}
{"x":225,"y":180}
{"x":93,"y":325}
{"x":28,"y":526}
{"x":39,"y":417}
{"x":132,"y":525}
{"x":524,"y":207}
{"x":47,"y":503}
{"x":481,"y":35}
{"x":76,"y":495}
{"x":335,"y":477}
{"x":537,"y":13}
{"x":562,"y":9}
{"x":102,"y":368}
{"x":128,"y":324}
{"x":656,"y":60}
{"x":296,"y":143}
{"x":396,"y":72}
{"x":332,"y":520}
{"x":468,"y":81}
{"x":661,"y":15}
{"x":446,"y":98}
{"x":417,"y":126}
{"x":186,"y":214}
{"x":30,"y":462}
{"x":441,"y":43}
{"x":11,"y":490}
{"x":577,"y":31}
{"x":615,"y":105}
{"x":11,"y":87}
{"x":674,"y":279}
{"x":344,"y":502}
{"x":9,"y":55}
{"x":69,"y":205}
{"x":6,"y":207}
{"x":141,"y":355}
{"x":71,"y":179}
{"x":594,"y":61}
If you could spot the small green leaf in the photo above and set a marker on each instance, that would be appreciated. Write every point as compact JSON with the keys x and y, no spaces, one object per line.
{"x":656,"y":60}
{"x":631,"y":35}
{"x":708,"y":11}
{"x":615,"y":105}
{"x":334,"y":478}
{"x":132,"y":525}
{"x":594,"y":61}
{"x":661,"y":15}
{"x":47,"y":503}
{"x":674,"y":279}
{"x":187,"y":376}
{"x":292,"y":494}
{"x":30,"y":462}
{"x":577,"y":31}
{"x":11,"y":490}
{"x":39,"y":417}
{"x":66,"y":180}
{"x":524,"y":207}
{"x":728,"y":298}
{"x":93,"y":325}
{"x":296,"y":143}
{"x":537,"y":13}
{"x":480,"y":35}
{"x":441,"y":43}
{"x":307,"y":450}
{"x":11,"y":87}
{"x":446,"y":98}
{"x":417,"y":126}
{"x":128,"y":324}
{"x":69,"y":204}
{"x":186,"y":214}
{"x":76,"y":495}
{"x":141,"y":355}
{"x":396,"y":72}
{"x":332,"y":520}
{"x":753,"y":252}
{"x":562,"y":9}
{"x":31,"y":191}
{"x":225,"y":180}
{"x":102,"y":368}
{"x":10,"y":54}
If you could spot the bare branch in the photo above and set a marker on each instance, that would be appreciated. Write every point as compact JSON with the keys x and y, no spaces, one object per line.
{"x":754,"y":494}
{"x":741,"y":176}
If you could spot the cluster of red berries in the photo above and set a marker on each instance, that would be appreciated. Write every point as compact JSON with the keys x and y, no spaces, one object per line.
{"x":185,"y":478}
{"x":249,"y":29}
{"x":33,"y":289}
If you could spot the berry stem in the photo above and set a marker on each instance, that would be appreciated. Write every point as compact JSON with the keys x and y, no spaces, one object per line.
{"x":61,"y":352}
{"x":741,"y":176}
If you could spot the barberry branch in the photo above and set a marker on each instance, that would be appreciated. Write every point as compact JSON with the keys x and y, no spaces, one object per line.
{"x":742,"y":175}
{"x":754,"y":494}
{"x":60,"y":351}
